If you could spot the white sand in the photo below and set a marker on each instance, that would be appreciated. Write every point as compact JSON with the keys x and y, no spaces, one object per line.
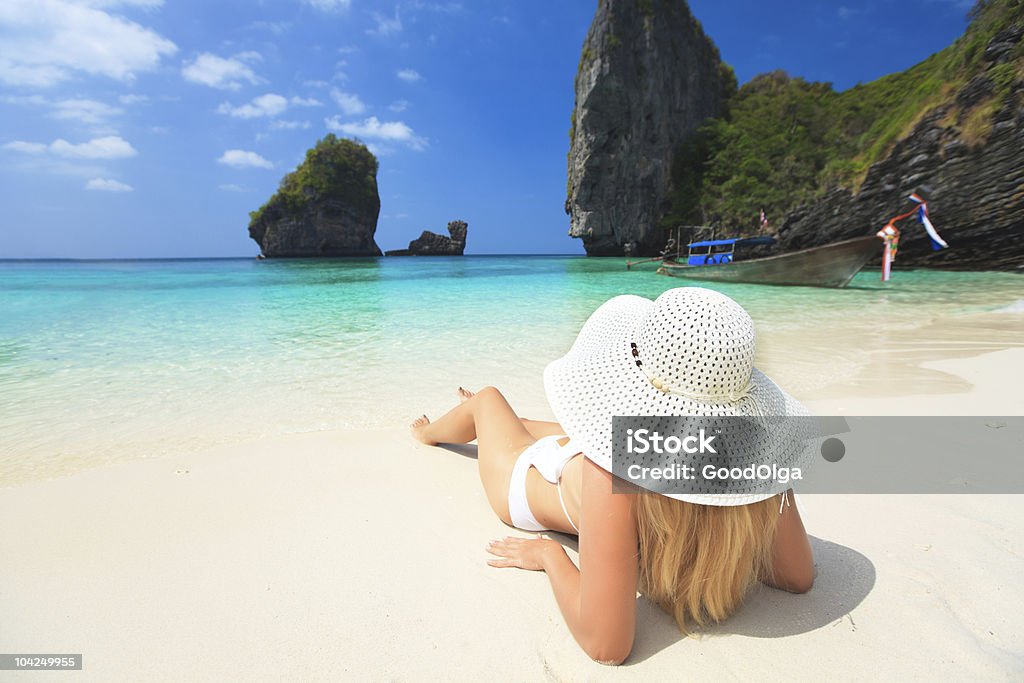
{"x":284,"y":560}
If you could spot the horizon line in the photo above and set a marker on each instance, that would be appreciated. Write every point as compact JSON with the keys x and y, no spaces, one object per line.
{"x":66,"y":259}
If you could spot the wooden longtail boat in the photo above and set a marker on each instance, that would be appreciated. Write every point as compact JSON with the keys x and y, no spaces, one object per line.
{"x":831,"y":265}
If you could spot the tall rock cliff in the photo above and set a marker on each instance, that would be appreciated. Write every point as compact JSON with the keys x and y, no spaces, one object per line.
{"x":973,"y":179}
{"x":648,"y":76}
{"x":328,"y":206}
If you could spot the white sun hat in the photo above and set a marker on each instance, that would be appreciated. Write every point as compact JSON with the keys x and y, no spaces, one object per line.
{"x":688,"y":353}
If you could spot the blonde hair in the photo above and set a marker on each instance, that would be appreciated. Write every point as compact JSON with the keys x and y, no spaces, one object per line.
{"x":698,"y":561}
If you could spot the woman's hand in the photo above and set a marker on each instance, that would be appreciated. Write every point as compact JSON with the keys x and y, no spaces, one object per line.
{"x":524,"y":553}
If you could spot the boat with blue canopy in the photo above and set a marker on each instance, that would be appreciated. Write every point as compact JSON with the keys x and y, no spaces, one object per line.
{"x":727,"y":260}
{"x":749,"y":259}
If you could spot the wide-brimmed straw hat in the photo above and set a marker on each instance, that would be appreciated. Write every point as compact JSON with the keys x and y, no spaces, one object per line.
{"x":688,"y":353}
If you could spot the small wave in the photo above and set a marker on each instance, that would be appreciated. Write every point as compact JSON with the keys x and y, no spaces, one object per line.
{"x":1016,"y":307}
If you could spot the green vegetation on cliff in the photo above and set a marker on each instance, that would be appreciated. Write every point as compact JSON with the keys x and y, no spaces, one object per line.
{"x":785,"y":140}
{"x":335,"y":168}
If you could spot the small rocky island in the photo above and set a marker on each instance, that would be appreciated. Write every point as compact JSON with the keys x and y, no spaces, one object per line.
{"x":328,"y":206}
{"x":432,"y":244}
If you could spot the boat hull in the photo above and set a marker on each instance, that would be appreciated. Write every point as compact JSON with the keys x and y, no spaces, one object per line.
{"x":831,"y":265}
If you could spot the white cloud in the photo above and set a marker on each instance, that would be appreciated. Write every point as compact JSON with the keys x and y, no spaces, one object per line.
{"x":232,"y":187}
{"x":51,"y":165}
{"x":847,"y":12}
{"x":142,"y":4}
{"x":409,"y":75}
{"x":133,"y":99}
{"x":399,"y":106}
{"x":440,"y":7}
{"x":288,"y":125}
{"x":329,"y":5}
{"x":107,"y":185}
{"x":348,"y":103}
{"x":84,"y":111}
{"x":47,"y":41}
{"x":386,"y":26}
{"x":109,"y":147}
{"x":374,"y":129}
{"x":239,"y":158}
{"x":275,"y":27}
{"x":316,"y":84}
{"x":26,"y":147}
{"x":81,"y":110}
{"x":224,"y":73}
{"x":26,"y":100}
{"x":270,"y":104}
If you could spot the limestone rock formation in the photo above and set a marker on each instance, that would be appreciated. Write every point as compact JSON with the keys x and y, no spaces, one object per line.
{"x":328,"y":206}
{"x":648,"y":76}
{"x":432,"y":244}
{"x":974,"y":188}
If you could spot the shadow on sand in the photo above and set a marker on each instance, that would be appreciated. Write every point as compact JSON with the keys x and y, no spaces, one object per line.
{"x":466,"y":450}
{"x":843,"y":578}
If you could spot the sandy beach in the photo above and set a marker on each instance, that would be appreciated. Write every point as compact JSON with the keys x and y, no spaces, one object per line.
{"x":281,"y":559}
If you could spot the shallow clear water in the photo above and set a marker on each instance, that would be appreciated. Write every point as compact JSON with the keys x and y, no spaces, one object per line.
{"x":109,"y":360}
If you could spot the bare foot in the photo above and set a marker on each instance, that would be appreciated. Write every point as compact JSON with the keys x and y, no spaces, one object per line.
{"x":417,"y":428}
{"x":464,"y":395}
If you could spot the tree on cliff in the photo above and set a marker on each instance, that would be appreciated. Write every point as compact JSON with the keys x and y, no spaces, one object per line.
{"x":785,"y":141}
{"x":335,"y":168}
{"x":327,"y":206}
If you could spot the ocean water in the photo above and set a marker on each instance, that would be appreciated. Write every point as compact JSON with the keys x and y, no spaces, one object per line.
{"x":106,"y":361}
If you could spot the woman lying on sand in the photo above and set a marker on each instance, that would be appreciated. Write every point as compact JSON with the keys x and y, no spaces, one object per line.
{"x":688,"y":353}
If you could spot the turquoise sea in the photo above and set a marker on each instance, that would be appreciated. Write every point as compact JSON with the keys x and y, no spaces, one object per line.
{"x":105,"y":361}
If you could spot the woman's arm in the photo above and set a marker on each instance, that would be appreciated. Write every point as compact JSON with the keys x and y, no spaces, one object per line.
{"x":792,"y":561}
{"x":598,"y":600}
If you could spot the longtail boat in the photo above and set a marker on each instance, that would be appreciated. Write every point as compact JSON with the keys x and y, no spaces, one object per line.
{"x":830,"y":265}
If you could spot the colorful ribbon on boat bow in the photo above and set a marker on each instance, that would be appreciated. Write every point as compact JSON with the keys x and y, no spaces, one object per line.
{"x":891,"y":235}
{"x":922,"y":217}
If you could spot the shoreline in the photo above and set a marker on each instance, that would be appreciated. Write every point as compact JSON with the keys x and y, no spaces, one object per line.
{"x":280,"y":558}
{"x":891,"y":366}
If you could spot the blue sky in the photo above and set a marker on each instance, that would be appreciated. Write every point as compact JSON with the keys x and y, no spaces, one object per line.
{"x":150,"y":128}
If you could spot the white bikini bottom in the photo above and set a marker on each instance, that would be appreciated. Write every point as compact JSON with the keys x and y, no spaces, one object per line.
{"x":549,"y":458}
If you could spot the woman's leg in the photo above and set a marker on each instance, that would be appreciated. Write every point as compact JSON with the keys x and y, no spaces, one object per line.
{"x":537,"y":428}
{"x":500,"y":435}
{"x":540,"y":428}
